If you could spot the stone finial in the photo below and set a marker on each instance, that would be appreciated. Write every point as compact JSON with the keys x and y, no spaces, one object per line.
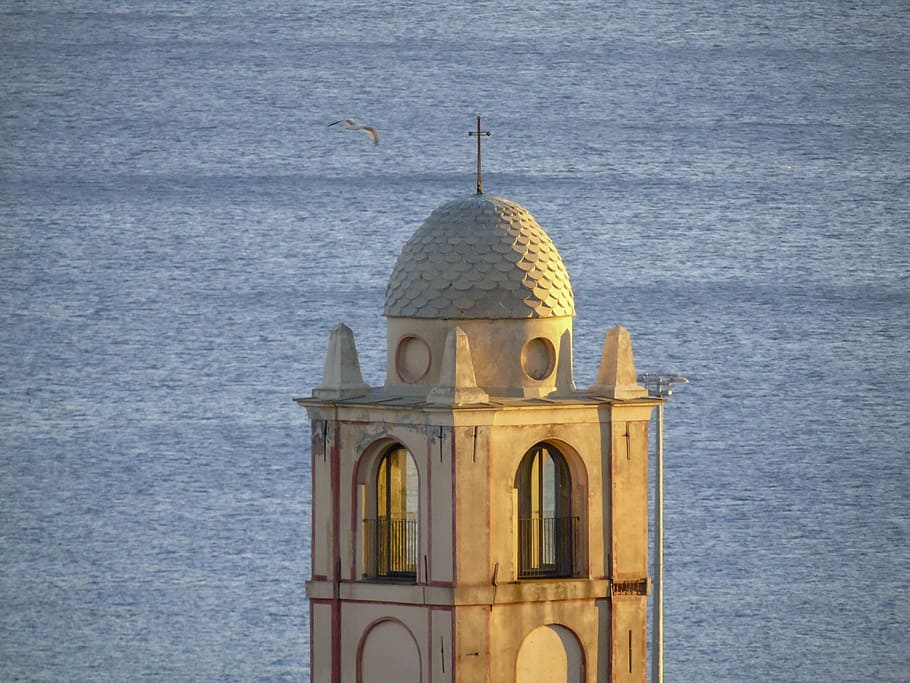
{"x":616,"y":376}
{"x":341,"y":377}
{"x":565,"y":384}
{"x":457,"y":382}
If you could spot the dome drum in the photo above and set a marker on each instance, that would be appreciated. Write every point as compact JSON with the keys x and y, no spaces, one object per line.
{"x":522,"y":358}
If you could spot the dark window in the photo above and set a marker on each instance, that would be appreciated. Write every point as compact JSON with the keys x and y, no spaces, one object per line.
{"x":546,"y":527}
{"x":391,"y":535}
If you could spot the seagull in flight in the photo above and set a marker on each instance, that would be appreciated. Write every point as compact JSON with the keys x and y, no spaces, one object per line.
{"x":353,"y":124}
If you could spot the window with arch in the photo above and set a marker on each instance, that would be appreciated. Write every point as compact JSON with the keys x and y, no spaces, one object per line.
{"x":546,"y":525}
{"x":390,"y":530}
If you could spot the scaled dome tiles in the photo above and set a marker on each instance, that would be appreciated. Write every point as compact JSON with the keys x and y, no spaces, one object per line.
{"x":479,"y":257}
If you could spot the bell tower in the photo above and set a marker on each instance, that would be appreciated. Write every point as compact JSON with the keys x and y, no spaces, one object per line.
{"x":478,"y":517}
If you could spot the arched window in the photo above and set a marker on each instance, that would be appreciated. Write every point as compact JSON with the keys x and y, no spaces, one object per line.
{"x":546,"y":527}
{"x":390,"y":534}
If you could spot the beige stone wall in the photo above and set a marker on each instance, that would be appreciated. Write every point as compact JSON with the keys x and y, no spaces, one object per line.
{"x":489,"y":500}
{"x":468,"y":609}
{"x":511,"y":625}
{"x":629,"y":504}
{"x":628,"y":634}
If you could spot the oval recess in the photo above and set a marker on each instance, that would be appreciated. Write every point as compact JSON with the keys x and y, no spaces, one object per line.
{"x":412,"y":359}
{"x":538,"y":358}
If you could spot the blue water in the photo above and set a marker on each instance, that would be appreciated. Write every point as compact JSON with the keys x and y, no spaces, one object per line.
{"x":179,"y":230}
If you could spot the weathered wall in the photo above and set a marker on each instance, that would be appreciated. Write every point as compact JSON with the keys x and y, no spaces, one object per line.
{"x":468,"y":614}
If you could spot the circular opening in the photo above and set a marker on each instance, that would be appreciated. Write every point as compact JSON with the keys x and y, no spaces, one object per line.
{"x":538,"y":358}
{"x":412,"y":359}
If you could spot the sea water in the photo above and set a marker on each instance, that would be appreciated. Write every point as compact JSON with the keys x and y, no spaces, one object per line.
{"x":180,"y":229}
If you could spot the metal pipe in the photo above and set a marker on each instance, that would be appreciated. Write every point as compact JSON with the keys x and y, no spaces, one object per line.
{"x":657,"y":644}
{"x":661,"y":384}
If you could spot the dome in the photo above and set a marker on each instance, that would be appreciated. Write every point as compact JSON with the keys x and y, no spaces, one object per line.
{"x":479,"y":257}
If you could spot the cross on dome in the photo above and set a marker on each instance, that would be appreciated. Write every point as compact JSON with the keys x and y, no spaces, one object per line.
{"x":478,"y":133}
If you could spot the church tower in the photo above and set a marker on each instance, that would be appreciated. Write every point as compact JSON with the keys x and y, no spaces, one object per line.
{"x":478,"y":518}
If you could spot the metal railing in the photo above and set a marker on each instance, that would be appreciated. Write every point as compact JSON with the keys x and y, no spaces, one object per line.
{"x":390,"y":548}
{"x":546,"y":546}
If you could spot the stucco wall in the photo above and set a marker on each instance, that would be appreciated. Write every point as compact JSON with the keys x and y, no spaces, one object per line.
{"x":468,"y":612}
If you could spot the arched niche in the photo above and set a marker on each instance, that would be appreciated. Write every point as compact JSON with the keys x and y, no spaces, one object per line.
{"x":550,"y":654}
{"x":388,"y":653}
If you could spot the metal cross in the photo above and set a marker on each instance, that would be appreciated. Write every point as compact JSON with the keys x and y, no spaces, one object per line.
{"x":479,"y":133}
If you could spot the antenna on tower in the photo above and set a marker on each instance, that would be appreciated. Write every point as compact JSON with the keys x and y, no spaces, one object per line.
{"x":478,"y":133}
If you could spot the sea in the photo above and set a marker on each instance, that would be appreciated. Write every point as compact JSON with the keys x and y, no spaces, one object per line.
{"x":180,"y":229}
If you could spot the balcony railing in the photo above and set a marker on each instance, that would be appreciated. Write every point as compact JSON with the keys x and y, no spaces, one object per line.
{"x":546,"y":546}
{"x":390,"y":548}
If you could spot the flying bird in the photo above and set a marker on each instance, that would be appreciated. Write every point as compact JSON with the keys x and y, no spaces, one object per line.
{"x":353,"y":124}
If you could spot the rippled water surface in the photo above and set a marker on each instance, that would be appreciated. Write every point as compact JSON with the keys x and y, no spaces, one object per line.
{"x":179,"y":230}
